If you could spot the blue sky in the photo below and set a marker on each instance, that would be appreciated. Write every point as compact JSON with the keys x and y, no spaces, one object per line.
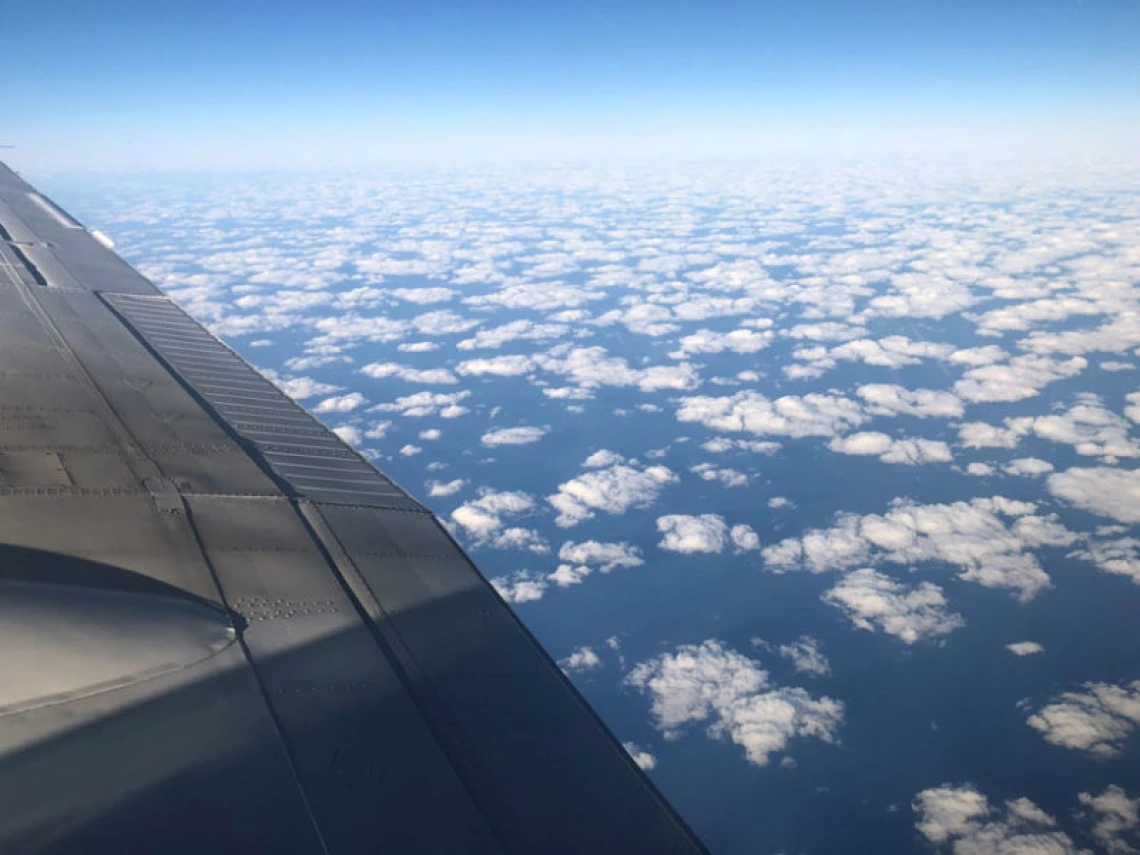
{"x":178,"y":85}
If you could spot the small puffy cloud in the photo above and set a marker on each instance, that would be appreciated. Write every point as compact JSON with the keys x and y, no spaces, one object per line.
{"x":422,"y":295}
{"x":602,"y":458}
{"x":349,"y":434}
{"x":884,"y":399}
{"x":704,"y":533}
{"x":1113,"y":493}
{"x":1091,"y":429}
{"x":741,"y":340}
{"x":909,"y":452}
{"x":727,"y":477}
{"x":1022,"y":377}
{"x":410,"y":450}
{"x":302,"y":388}
{"x":728,"y":693}
{"x":1024,"y":648}
{"x":1117,"y":820}
{"x":744,"y":538}
{"x":1027,"y":466}
{"x":873,"y":601}
{"x":422,"y":404}
{"x":513,"y":436}
{"x":972,"y":535}
{"x":384,"y":370}
{"x":961,"y":817}
{"x":644,"y":759}
{"x":581,"y":559}
{"x":614,"y":489}
{"x":340,"y":403}
{"x":983,"y":435}
{"x":445,"y":488}
{"x":590,"y":367}
{"x":1120,"y":557}
{"x":581,"y":659}
{"x":980,"y":470}
{"x":496,"y":366}
{"x":522,"y":586}
{"x":1097,"y":720}
{"x":483,"y":520}
{"x":805,"y":654}
{"x":751,"y":412}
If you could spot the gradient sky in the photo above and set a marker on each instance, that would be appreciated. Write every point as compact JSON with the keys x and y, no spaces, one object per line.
{"x":128,"y":85}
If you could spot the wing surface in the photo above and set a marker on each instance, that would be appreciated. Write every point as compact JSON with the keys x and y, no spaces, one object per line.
{"x":222,"y":629}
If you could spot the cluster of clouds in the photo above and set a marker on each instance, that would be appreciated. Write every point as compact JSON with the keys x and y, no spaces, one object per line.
{"x":732,"y":697}
{"x":637,"y":285}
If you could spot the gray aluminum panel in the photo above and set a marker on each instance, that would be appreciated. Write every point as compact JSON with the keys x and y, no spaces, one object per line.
{"x":277,"y":423}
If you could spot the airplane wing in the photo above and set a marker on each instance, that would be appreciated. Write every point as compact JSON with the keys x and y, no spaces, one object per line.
{"x":222,"y":629}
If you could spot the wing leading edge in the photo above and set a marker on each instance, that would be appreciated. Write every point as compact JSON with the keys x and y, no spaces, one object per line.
{"x":234,"y":632}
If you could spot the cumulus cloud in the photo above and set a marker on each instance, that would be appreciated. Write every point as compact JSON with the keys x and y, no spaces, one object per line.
{"x":523,"y":586}
{"x":582,"y":559}
{"x":383,"y":370}
{"x":1113,"y":493}
{"x":422,"y":404}
{"x":445,"y":488}
{"x":1020,"y":378}
{"x":302,"y":388}
{"x":963,"y":818}
{"x":613,"y":489}
{"x":1097,"y":720}
{"x":1024,"y":648}
{"x":1091,"y":429}
{"x":1120,"y":557}
{"x":727,"y":477}
{"x":590,"y":367}
{"x":496,"y":366}
{"x":970,"y":535}
{"x":807,"y":657}
{"x":484,"y":521}
{"x":513,"y":436}
{"x":910,"y":452}
{"x":581,"y":659}
{"x":983,"y":435}
{"x":1117,"y":820}
{"x":734,"y":698}
{"x":1027,"y":466}
{"x":644,"y":759}
{"x":703,"y":533}
{"x":744,"y":538}
{"x":874,"y":601}
{"x":884,"y":399}
{"x":340,"y":404}
{"x":751,"y":412}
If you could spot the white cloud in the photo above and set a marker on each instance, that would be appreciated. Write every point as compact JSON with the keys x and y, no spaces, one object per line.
{"x":422,"y":404}
{"x":682,"y":533}
{"x":1097,"y":720}
{"x":875,"y":601}
{"x":906,"y":451}
{"x":349,"y":434}
{"x":603,"y":457}
{"x":644,"y":759}
{"x":590,"y":367}
{"x":983,"y":435}
{"x":301,"y":388}
{"x":884,"y":399}
{"x":581,"y":659}
{"x":1028,"y":466}
{"x":382,"y":370}
{"x":744,"y":538}
{"x":513,"y":436}
{"x":483,"y":520}
{"x":1092,"y":431}
{"x":963,"y":818}
{"x":1022,"y":377}
{"x":1117,"y":825}
{"x":1024,"y":648}
{"x":522,"y":586}
{"x":712,"y":684}
{"x":614,"y":489}
{"x":748,"y":411}
{"x":805,"y":654}
{"x":496,"y":366}
{"x":1120,"y":557}
{"x":410,"y":450}
{"x":583,"y":558}
{"x":980,"y":470}
{"x":971,"y":535}
{"x":1133,"y":408}
{"x":422,"y":295}
{"x":449,"y":488}
{"x":340,"y":404}
{"x":1113,"y":493}
{"x":727,"y":477}
{"x":741,"y":340}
